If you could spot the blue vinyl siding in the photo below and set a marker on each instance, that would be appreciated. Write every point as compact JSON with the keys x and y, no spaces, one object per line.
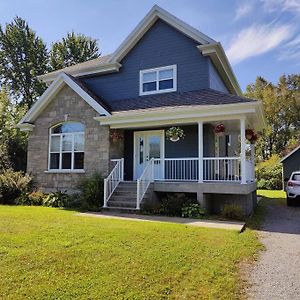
{"x":161,"y":46}
{"x":215,"y":81}
{"x":187,"y":147}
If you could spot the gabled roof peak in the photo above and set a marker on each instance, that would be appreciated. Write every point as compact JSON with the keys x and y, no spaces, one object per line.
{"x":152,"y":16}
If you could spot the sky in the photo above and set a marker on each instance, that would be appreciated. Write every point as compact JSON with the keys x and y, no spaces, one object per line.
{"x":260,"y":37}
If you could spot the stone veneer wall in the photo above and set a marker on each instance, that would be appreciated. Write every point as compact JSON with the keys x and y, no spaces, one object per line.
{"x":97,"y":150}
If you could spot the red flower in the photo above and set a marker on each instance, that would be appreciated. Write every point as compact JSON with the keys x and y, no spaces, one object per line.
{"x":219,"y":128}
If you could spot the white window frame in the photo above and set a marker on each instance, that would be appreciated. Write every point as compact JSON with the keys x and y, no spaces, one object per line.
{"x":60,"y":152}
{"x":157,"y":91}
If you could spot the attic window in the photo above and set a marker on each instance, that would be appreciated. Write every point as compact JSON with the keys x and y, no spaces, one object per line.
{"x":158,"y":80}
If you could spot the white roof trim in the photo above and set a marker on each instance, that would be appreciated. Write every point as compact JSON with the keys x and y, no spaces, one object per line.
{"x":89,"y":70}
{"x":51,"y":91}
{"x":220,"y":61}
{"x":153,"y":15}
{"x":184,"y":115}
{"x":288,"y":155}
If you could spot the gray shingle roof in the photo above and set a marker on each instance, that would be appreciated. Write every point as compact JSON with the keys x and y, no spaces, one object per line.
{"x":78,"y":67}
{"x":199,"y":97}
{"x":192,"y":98}
{"x":98,"y":99}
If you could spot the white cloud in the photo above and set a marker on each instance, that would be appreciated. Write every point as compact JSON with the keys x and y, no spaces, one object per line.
{"x":256,"y":40}
{"x":291,"y":51}
{"x":282,"y":5}
{"x":242,"y":10}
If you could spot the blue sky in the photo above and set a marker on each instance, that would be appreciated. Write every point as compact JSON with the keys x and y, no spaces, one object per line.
{"x":260,"y":37}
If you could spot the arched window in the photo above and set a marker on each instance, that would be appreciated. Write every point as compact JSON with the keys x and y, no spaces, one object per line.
{"x":66,"y":151}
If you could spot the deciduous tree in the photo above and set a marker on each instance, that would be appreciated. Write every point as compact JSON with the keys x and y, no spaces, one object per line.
{"x":23,"y":56}
{"x":73,"y":49}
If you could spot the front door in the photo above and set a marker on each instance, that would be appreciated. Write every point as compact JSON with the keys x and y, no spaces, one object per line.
{"x":147,"y":145}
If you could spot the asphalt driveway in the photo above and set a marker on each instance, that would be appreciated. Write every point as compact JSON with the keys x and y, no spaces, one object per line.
{"x":277,"y":273}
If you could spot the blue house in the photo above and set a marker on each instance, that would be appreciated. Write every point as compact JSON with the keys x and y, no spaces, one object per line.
{"x":163,"y":113}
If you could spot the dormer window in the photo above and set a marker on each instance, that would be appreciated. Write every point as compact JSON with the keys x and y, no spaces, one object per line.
{"x":158,"y":80}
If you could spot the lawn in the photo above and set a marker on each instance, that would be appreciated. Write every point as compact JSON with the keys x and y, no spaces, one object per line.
{"x":48,"y":253}
{"x":271,"y":194}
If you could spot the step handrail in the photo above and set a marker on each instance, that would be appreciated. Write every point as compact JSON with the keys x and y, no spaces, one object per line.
{"x":144,"y":181}
{"x":113,"y":179}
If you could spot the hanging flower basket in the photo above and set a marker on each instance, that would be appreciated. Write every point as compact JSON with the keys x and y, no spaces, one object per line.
{"x":219,"y":130}
{"x":116,"y":136}
{"x":174,"y":134}
{"x":254,"y":138}
{"x":249,"y":133}
{"x":251,"y":136}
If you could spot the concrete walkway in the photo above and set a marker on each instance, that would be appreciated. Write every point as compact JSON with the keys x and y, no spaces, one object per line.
{"x":238,"y":226}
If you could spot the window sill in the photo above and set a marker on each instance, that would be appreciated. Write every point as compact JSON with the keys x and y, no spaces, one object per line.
{"x":65,"y":171}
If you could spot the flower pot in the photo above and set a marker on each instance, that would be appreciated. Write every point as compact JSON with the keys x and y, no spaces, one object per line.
{"x":174,"y":138}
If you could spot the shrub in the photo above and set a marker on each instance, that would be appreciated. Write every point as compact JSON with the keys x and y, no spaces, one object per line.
{"x":34,"y":198}
{"x":91,"y":192}
{"x":269,"y":174}
{"x":192,"y":210}
{"x":170,"y":204}
{"x":232,"y":211}
{"x":57,"y":199}
{"x":12,"y":185}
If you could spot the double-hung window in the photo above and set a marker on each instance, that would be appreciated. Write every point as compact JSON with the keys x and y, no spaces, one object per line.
{"x":158,"y":80}
{"x":66,"y":147}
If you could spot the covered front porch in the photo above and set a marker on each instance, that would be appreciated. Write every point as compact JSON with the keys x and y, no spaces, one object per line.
{"x":201,"y":157}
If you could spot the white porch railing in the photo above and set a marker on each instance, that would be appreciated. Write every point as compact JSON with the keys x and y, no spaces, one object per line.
{"x":177,"y":169}
{"x":221,"y":169}
{"x":144,"y":181}
{"x":113,"y":179}
{"x":186,"y":169}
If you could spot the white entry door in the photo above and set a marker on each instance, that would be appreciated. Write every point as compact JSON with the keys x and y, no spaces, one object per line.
{"x":147,"y":145}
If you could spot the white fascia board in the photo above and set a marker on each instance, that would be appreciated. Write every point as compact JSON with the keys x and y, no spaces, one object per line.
{"x":178,"y":114}
{"x":51,"y":91}
{"x":288,"y":155}
{"x":216,"y":53}
{"x":27,"y":127}
{"x":97,"y":69}
{"x":153,"y":15}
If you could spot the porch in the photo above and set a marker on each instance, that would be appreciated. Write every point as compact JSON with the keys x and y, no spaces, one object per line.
{"x":224,"y":163}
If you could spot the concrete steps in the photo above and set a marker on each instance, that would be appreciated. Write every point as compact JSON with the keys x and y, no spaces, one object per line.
{"x":124,"y":198}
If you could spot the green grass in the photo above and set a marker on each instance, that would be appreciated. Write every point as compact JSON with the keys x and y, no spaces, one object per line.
{"x":48,"y":253}
{"x":271,"y":194}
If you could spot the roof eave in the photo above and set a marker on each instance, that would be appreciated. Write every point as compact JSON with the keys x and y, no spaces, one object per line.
{"x":216,"y":52}
{"x":181,"y":113}
{"x":51,"y":91}
{"x":91,"y":70}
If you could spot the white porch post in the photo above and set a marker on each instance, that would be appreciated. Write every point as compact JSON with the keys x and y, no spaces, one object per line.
{"x":243,"y":149}
{"x":200,"y":151}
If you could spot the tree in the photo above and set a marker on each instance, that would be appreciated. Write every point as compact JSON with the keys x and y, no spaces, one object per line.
{"x":282,"y":111}
{"x":73,"y":49}
{"x":13,"y":142}
{"x":23,"y":56}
